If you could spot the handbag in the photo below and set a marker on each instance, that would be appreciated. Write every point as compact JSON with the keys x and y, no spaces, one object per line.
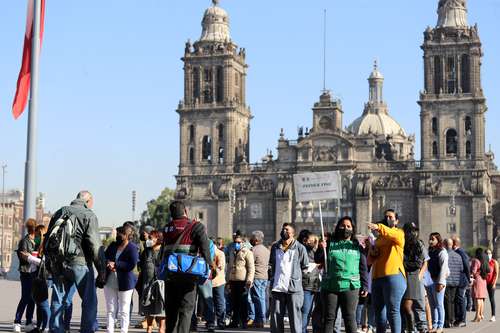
{"x":40,"y":289}
{"x":182,"y":266}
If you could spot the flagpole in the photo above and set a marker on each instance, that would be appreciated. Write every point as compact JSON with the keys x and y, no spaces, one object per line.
{"x":30,"y":175}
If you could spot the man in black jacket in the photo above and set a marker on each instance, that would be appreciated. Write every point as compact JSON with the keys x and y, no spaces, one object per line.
{"x":182,"y":236}
{"x":79,"y":270}
{"x":461,"y":302}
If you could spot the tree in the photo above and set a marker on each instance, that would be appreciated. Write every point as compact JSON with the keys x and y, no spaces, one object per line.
{"x":157,"y":214}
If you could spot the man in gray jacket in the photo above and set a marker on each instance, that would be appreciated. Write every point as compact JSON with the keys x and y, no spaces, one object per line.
{"x":287,"y":262}
{"x":452,"y":283}
{"x":79,"y":270}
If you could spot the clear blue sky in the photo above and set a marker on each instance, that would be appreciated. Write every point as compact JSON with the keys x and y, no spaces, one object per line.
{"x":111,"y":78}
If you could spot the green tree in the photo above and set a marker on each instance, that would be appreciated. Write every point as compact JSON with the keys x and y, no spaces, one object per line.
{"x":157,"y":213}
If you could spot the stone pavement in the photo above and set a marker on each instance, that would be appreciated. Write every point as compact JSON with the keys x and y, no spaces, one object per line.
{"x":11,"y":290}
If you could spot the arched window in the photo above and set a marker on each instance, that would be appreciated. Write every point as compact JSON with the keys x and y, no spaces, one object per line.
{"x":206,"y":150}
{"x":434,"y":125}
{"x":221,"y":155}
{"x":468,"y":125}
{"x":468,"y":149}
{"x":451,"y":75}
{"x":191,"y":133}
{"x":438,"y":75}
{"x":220,"y":84}
{"x":196,"y":83}
{"x":191,"y":155}
{"x":220,"y":132}
{"x":434,"y":149}
{"x":451,"y":142}
{"x":465,"y":73}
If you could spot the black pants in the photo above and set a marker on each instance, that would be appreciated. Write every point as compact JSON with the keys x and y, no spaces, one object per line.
{"x":491,"y":295}
{"x":347,"y":301}
{"x":239,"y":297}
{"x":450,"y":295}
{"x":180,"y":299}
{"x":460,"y":305}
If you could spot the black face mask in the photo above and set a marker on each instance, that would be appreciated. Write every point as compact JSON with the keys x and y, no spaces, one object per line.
{"x":345,"y":233}
{"x":284,"y":235}
{"x":142,"y":238}
{"x":119,"y":241}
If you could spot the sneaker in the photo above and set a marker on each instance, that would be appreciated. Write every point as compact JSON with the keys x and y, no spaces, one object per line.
{"x":249,"y":322}
{"x":29,"y":328}
{"x":493,"y":319}
{"x":16,"y":328}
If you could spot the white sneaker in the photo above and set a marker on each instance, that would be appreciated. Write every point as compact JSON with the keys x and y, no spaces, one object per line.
{"x":16,"y":328}
{"x":493,"y":319}
{"x":29,"y":328}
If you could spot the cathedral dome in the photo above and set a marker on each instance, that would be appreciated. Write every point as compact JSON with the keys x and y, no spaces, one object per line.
{"x":376,"y":119}
{"x":215,"y":25}
{"x":376,"y":123}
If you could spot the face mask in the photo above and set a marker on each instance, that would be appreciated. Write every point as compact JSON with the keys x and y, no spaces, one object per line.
{"x":149,"y":243}
{"x":119,"y":240}
{"x":490,"y":256}
{"x":142,"y":238}
{"x":284,"y":235}
{"x":237,"y":246}
{"x":390,"y":223}
{"x":38,"y":240}
{"x":346,"y":233}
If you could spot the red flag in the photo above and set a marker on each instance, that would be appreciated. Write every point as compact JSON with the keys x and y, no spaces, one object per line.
{"x":24,"y":79}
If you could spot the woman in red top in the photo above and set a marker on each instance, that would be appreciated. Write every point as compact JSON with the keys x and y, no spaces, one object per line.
{"x":491,"y":281}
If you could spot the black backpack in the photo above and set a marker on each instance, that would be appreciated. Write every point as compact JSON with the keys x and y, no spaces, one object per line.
{"x":60,"y":247}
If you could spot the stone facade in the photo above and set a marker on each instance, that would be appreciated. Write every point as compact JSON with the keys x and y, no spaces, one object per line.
{"x":451,"y":190}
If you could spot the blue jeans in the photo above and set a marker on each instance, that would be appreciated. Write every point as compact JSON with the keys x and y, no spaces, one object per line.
{"x":219,"y":304}
{"x":258,"y":296}
{"x":26,"y":302}
{"x":205,"y":292}
{"x":436,"y":302}
{"x":387,"y":293}
{"x":250,"y":308}
{"x":309,"y":297}
{"x":83,"y":278}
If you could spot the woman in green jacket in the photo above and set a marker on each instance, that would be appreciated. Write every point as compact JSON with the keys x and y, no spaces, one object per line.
{"x":346,"y":277}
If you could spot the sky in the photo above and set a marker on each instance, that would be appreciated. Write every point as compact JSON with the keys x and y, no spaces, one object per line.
{"x":111,"y":78}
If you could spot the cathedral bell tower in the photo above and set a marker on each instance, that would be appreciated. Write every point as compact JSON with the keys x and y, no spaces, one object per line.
{"x":452,"y":104}
{"x":214,"y":118}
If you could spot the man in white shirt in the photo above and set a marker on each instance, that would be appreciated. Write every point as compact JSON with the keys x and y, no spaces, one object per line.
{"x":287,"y":262}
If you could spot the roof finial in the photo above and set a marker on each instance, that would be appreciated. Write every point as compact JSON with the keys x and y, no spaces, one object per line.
{"x":375,"y":64}
{"x":215,"y":2}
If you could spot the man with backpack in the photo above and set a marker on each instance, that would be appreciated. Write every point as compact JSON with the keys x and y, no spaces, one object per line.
{"x":182,"y":236}
{"x":71,"y":247}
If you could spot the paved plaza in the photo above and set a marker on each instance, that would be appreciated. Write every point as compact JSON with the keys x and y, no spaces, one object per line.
{"x":10,"y":291}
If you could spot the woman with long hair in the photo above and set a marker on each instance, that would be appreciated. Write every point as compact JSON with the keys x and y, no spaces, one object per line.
{"x":346,"y":277}
{"x":491,"y":281}
{"x":415,"y":267}
{"x":438,"y":269}
{"x":310,"y":278}
{"x":479,"y":269}
{"x":152,"y":304}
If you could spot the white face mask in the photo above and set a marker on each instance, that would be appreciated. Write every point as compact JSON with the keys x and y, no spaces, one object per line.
{"x":490,"y":256}
{"x":149,"y":243}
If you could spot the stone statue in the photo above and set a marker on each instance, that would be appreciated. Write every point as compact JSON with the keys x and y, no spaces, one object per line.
{"x":215,"y":2}
{"x":452,"y":13}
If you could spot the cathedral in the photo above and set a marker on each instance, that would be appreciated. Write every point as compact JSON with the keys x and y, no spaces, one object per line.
{"x":452,"y":189}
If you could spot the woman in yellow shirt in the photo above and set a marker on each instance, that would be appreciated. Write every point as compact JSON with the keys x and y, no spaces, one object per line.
{"x":388,"y":273}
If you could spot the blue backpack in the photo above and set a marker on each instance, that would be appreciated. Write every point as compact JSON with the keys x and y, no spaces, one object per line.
{"x":182,"y":266}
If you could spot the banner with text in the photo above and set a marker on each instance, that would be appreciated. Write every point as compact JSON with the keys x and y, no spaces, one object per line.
{"x":316,"y":186}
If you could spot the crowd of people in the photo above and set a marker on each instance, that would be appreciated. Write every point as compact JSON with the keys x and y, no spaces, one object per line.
{"x":386,"y":279}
